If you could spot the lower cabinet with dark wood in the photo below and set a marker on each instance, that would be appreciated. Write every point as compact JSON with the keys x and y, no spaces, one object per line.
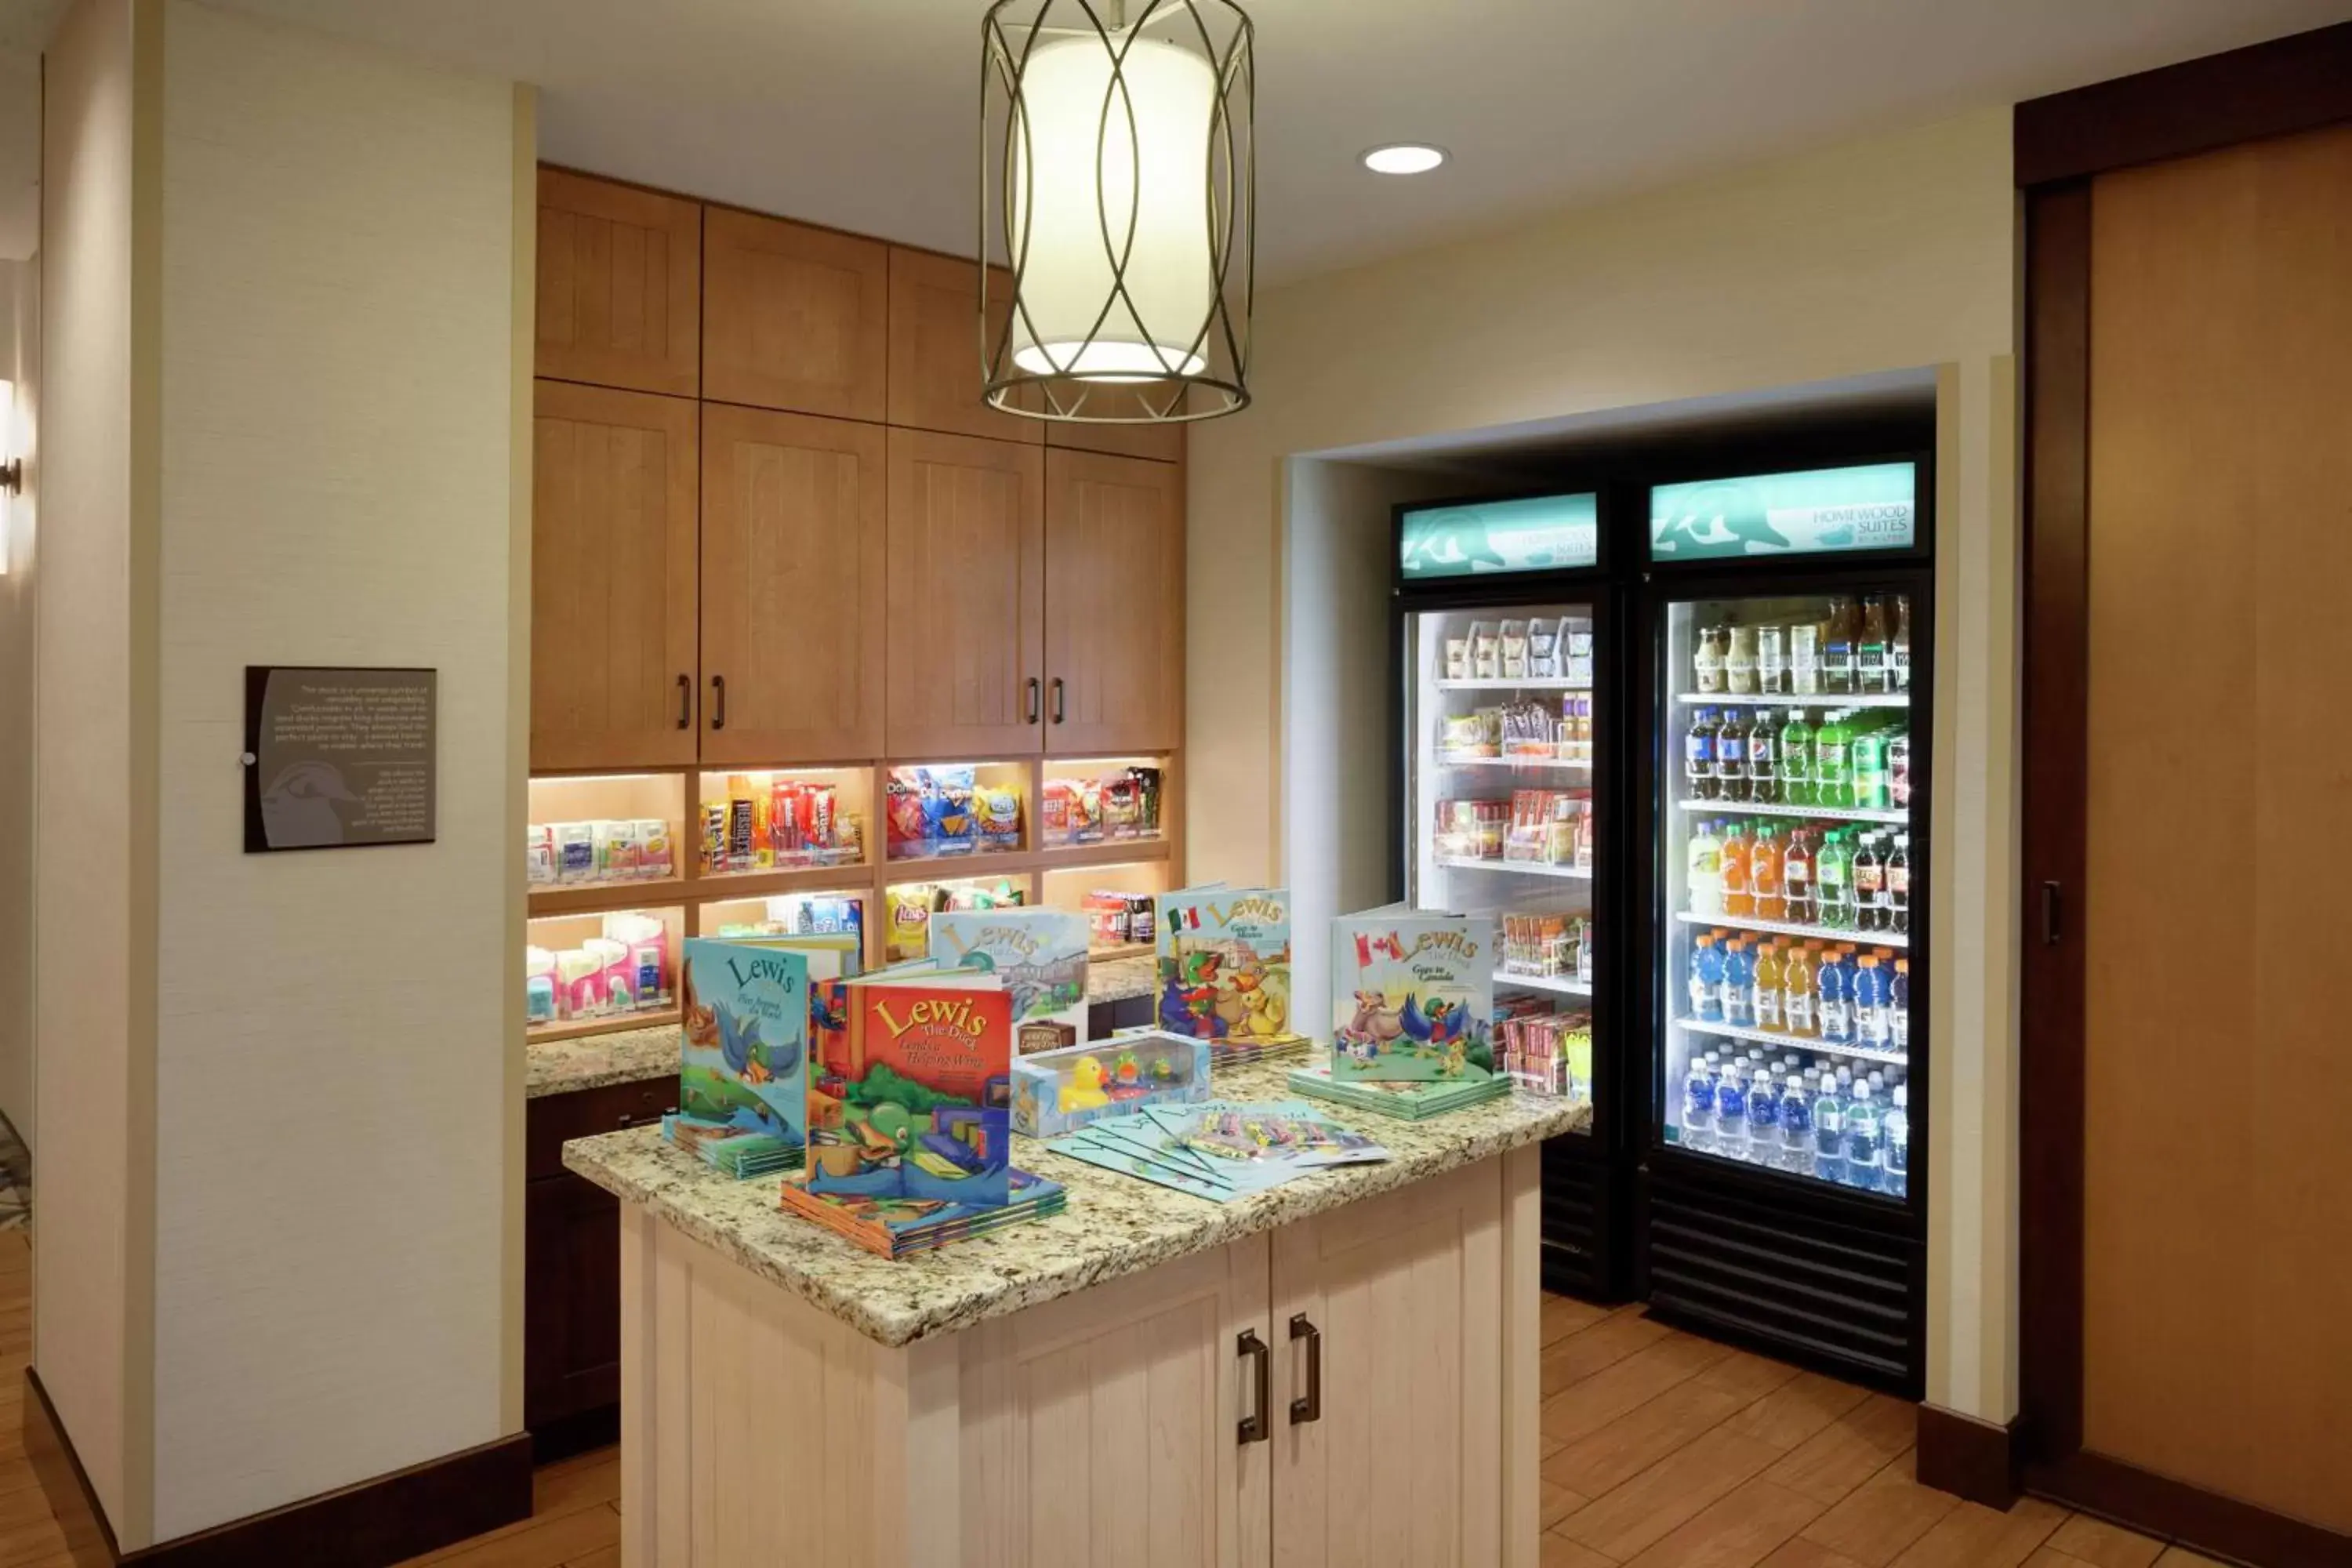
{"x":571,"y":1270}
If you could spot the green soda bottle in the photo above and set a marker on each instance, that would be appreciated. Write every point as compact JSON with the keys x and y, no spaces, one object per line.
{"x":1796,"y":760}
{"x":1833,"y":763}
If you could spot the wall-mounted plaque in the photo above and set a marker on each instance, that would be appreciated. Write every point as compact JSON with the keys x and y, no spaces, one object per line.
{"x":337,"y":758}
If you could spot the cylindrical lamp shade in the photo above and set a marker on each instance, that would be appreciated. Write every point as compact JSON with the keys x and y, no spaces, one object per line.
{"x":1117,"y":164}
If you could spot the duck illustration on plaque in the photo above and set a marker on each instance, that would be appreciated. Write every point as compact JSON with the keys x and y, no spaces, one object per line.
{"x":1412,"y":998}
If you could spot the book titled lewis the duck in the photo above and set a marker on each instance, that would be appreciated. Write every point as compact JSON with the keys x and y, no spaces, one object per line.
{"x":1223,"y":956}
{"x":1412,"y":998}
{"x":742,"y":1096}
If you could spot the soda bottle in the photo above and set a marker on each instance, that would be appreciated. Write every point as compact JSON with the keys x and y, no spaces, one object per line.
{"x":1731,"y":756}
{"x":1898,"y":1007}
{"x":1707,"y":981}
{"x":1872,"y":659}
{"x":1831,"y":1003}
{"x":1894,"y":1132}
{"x":1841,"y":632}
{"x":1833,"y":874}
{"x":1797,"y":981}
{"x":1764,"y":874}
{"x":1862,"y":1141}
{"x":1699,"y":1102}
{"x":1763,"y":1118}
{"x":1832,"y":777}
{"x":1898,"y":644}
{"x":1796,"y":760}
{"x":1796,"y":1124}
{"x":1698,"y":755}
{"x":1803,"y":908}
{"x":1869,"y":885}
{"x":1764,"y":1006}
{"x":1705,"y":861}
{"x":1739,"y":985}
{"x":1867,"y":757}
{"x":1764,"y":759}
{"x":1898,"y":770}
{"x":1731,"y":858}
{"x":1869,"y":1005}
{"x":1731,"y":1113}
{"x":1898,"y":885}
{"x":1829,"y":1131}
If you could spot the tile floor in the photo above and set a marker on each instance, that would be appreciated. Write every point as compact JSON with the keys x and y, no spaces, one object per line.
{"x":1661,"y":1450}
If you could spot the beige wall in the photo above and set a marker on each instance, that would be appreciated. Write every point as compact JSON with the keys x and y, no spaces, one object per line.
{"x":1894,"y":253}
{"x":20,"y":355}
{"x":332,"y":1086}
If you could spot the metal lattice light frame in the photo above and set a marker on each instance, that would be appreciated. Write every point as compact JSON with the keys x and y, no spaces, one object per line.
{"x":1097,"y":131}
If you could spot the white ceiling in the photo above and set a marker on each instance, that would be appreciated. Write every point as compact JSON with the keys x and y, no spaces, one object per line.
{"x":863,"y":113}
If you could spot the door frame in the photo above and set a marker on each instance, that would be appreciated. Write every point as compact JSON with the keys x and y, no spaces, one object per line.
{"x":2063,"y":142}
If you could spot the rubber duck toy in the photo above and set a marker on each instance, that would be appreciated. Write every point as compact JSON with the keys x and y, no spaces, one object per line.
{"x":1084,"y":1091}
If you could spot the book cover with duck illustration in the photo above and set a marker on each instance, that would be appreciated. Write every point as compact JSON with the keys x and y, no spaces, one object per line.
{"x":1038,"y":956}
{"x":910,"y":1093}
{"x":743,"y":1094}
{"x":1223,"y":957}
{"x":1412,"y":998}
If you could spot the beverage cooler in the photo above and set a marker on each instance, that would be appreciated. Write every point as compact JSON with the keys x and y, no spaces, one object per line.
{"x":1784,"y":771}
{"x":1504,"y":743}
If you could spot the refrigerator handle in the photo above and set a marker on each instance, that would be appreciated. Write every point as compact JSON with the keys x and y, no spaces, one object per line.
{"x":2050,"y":926}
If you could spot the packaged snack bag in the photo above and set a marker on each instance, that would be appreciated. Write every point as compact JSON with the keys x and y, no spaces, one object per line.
{"x":947,"y":820}
{"x":1122,"y":806}
{"x":908,"y":934}
{"x":997,"y":815}
{"x":713,"y":846}
{"x":1543,"y":649}
{"x":656,"y":855}
{"x":1485,"y":651}
{"x":906,"y":808}
{"x":1147,"y":785}
{"x":1515,"y":650}
{"x":1086,"y":812}
{"x":1054,"y":812}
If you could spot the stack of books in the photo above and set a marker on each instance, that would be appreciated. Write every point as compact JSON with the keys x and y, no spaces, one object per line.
{"x":1407,"y":1101}
{"x":1242,"y":1052}
{"x":899,"y":1227}
{"x":1221,"y":1150}
{"x":738,"y":1153}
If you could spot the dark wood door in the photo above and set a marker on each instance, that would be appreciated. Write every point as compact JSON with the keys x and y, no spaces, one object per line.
{"x":571,"y":1299}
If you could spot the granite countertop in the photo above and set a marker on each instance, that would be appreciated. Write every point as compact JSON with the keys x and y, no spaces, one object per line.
{"x":633,"y":1055}
{"x":1114,"y":1225}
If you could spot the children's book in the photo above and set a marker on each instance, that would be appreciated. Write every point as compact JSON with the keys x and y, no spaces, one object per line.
{"x":896,"y":1228}
{"x":1412,"y":997}
{"x":743,"y":1094}
{"x":1223,"y":957}
{"x":1039,"y":955}
{"x":909,"y":1095}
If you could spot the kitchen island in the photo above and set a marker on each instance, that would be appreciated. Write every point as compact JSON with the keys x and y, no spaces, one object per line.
{"x":1340,"y":1371}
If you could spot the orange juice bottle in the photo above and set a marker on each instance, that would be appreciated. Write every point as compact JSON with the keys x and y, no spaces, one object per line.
{"x":1764,"y":875}
{"x":1797,"y":991}
{"x":1738,"y":897}
{"x":1770,"y":978}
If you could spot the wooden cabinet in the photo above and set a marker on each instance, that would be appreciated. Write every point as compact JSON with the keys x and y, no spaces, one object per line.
{"x":1161,"y":443}
{"x":967,"y":549}
{"x":1104,"y":1428}
{"x":936,"y":375}
{"x":1400,"y":1299}
{"x":612,"y":578}
{"x":1114,"y":604}
{"x":792,"y":540}
{"x":795,"y":317}
{"x":620,"y":285}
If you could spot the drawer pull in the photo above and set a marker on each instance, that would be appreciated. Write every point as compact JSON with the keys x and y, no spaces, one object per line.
{"x":718,"y":702}
{"x":685,"y":702}
{"x":1311,"y":1407}
{"x":1253,"y":1425}
{"x":1057,"y":699}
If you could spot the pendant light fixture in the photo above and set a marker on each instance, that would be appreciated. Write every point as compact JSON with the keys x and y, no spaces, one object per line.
{"x":1118,"y":187}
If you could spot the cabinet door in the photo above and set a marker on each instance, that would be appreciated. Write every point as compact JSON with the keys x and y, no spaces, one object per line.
{"x":795,"y":317}
{"x":612,"y":578}
{"x":1105,"y":1427}
{"x":967,"y":586}
{"x":620,"y":286}
{"x":571,"y":1298}
{"x":792,"y":587}
{"x":1402,"y":1465}
{"x":935,"y":347}
{"x":1114,"y":604}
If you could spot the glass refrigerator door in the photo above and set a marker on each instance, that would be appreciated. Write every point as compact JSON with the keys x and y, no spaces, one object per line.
{"x":1785,"y":794}
{"x":1499,"y":765}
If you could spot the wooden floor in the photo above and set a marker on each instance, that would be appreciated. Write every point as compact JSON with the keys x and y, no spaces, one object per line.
{"x":1660,"y":1451}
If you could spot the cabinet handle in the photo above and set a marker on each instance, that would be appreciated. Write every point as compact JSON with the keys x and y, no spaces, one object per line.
{"x":1253,"y":1427}
{"x":1311,"y":1407}
{"x":1033,"y":701}
{"x":1057,"y":699}
{"x":718,"y":702}
{"x":2050,"y":921}
{"x":685,"y":702}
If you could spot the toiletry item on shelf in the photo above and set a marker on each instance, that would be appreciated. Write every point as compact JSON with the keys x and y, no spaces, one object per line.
{"x":575,"y":851}
{"x":539,"y":855}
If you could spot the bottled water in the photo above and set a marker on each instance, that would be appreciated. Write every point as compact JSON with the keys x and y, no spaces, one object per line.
{"x":1829,"y":1131}
{"x":1796,"y":1125}
{"x":1861,"y":1142}
{"x":1763,"y":1119}
{"x":1895,"y":1165}
{"x":1730,"y":1114}
{"x":1699,"y":1104}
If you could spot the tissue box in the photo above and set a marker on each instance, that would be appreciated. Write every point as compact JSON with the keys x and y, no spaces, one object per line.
{"x":1060,"y":1091}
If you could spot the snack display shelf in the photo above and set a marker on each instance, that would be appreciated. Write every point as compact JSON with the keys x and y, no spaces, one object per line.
{"x":596,"y":898}
{"x":850,"y":877}
{"x":1562,"y":984}
{"x":1795,"y":698}
{"x":1785,"y":928}
{"x":1446,"y":762}
{"x":1098,"y":852}
{"x":1525,"y":867}
{"x":1805,"y":1043}
{"x":1811,"y":813}
{"x":1540,"y":683}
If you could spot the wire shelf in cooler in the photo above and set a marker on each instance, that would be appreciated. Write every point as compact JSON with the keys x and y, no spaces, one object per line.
{"x":1797,"y":1042}
{"x":1565,"y":985}
{"x":1820,"y":813}
{"x":1526,"y":867}
{"x":1544,"y":683}
{"x":1795,"y":698}
{"x":1446,"y":762}
{"x":1788,"y":928}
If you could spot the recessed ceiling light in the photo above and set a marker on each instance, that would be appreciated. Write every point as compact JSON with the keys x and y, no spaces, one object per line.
{"x":1404,"y":158}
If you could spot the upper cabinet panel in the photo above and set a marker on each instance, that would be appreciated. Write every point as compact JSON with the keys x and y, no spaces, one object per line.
{"x":796,"y":318}
{"x":620,"y":285}
{"x":1161,"y":443}
{"x":935,"y":347}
